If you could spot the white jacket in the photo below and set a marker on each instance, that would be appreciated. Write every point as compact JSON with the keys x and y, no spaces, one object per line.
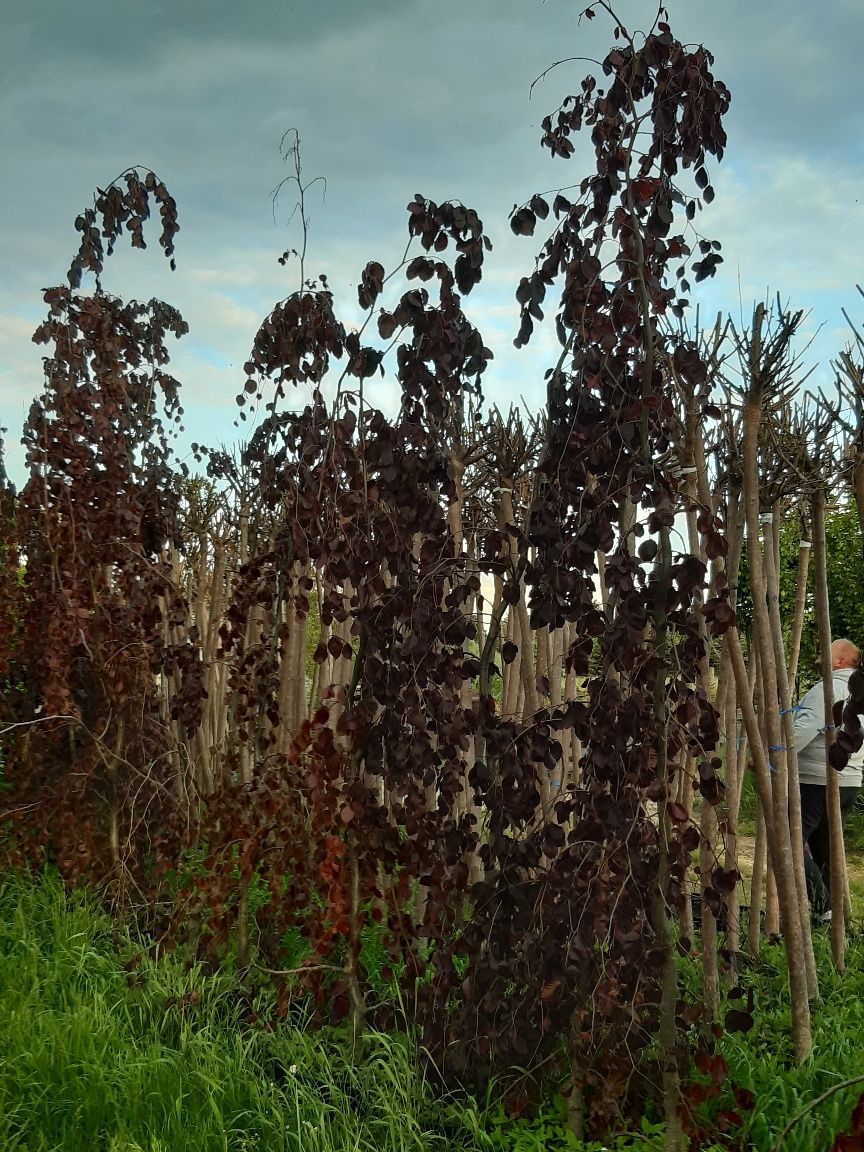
{"x":810,"y":738}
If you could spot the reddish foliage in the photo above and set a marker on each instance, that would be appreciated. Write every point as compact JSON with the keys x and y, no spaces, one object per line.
{"x":562,"y":933}
{"x":87,"y":780}
{"x":289,"y":827}
{"x":569,"y":903}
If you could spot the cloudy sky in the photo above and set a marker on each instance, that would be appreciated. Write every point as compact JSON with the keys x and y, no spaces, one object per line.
{"x":391,"y":97}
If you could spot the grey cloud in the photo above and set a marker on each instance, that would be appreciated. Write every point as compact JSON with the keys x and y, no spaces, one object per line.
{"x":132,"y":33}
{"x":391,"y":97}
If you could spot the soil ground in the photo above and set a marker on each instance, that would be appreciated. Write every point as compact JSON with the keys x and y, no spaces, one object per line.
{"x":854,"y":861}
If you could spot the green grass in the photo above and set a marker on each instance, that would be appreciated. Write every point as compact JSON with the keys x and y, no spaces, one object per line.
{"x":93,"y":1057}
{"x":98,"y":1054}
{"x":761,"y":1060}
{"x":105,"y":1048}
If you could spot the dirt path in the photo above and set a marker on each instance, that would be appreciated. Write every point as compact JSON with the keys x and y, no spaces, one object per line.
{"x":854,"y":862}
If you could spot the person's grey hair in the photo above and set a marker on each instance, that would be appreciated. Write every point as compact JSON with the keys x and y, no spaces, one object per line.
{"x":848,"y":643}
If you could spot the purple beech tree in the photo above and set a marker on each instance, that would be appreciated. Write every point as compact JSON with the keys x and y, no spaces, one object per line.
{"x":397,"y":792}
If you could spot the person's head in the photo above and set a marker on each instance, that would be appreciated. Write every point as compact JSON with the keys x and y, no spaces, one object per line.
{"x":844,"y":654}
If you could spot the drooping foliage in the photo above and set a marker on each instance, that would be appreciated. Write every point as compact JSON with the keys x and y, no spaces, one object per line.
{"x":440,"y":674}
{"x":572,"y":916}
{"x":92,"y":524}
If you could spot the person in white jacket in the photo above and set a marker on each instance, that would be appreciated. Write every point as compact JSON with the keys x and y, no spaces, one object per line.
{"x":812,"y":774}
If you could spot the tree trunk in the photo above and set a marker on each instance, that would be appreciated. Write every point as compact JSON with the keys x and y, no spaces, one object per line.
{"x":798,"y":615}
{"x":772,"y":579}
{"x":662,"y":926}
{"x":858,"y":490}
{"x":726,"y":708}
{"x":575,"y":746}
{"x":510,"y":697}
{"x":835,"y":820}
{"x":780,"y":845}
{"x":757,"y":883}
{"x":736,"y":760}
{"x":708,"y":826}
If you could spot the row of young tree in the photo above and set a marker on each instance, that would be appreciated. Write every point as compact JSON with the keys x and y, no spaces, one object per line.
{"x":520,"y":742}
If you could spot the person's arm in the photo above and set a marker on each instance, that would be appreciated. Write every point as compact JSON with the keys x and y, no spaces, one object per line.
{"x":810,"y":717}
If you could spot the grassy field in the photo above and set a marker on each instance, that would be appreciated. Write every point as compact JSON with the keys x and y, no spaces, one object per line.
{"x":106,"y":1047}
